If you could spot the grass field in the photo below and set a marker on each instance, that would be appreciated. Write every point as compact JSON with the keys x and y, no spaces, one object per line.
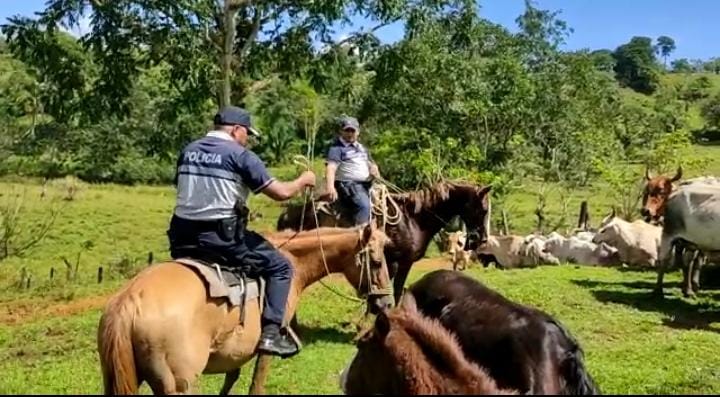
{"x":633,"y":343}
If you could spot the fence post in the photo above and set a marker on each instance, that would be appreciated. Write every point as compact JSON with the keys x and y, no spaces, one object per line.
{"x":584,"y":216}
{"x":506,"y":228}
{"x":27,"y":286}
{"x":150,"y":258}
{"x":100,"y":275}
{"x":52,"y":273}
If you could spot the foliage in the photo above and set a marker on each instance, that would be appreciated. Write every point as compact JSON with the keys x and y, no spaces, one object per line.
{"x":18,"y":231}
{"x":635,"y":65}
{"x":711,"y":112}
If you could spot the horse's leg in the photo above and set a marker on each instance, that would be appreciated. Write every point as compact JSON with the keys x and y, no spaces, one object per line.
{"x":159,"y":376}
{"x":230,"y":379}
{"x":187,"y":362}
{"x":399,"y":281}
{"x":260,"y":373}
{"x":295,"y":325}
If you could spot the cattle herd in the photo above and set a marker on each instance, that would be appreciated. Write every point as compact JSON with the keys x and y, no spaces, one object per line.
{"x":680,"y":229}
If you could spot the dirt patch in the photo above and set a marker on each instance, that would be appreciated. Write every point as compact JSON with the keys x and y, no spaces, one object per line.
{"x":16,"y":313}
{"x":20,"y":312}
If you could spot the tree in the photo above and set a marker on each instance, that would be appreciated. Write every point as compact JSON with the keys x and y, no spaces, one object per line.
{"x":712,"y":66}
{"x":635,"y":65}
{"x":665,"y":46}
{"x":711,"y":112}
{"x":603,"y":60}
{"x":681,"y":65}
{"x":206,"y":42}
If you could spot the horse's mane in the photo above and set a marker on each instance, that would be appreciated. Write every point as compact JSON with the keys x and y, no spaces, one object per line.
{"x":431,"y":196}
{"x":306,"y":239}
{"x":433,"y":337}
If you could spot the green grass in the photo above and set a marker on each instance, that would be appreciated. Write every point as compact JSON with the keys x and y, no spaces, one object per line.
{"x":633,"y":344}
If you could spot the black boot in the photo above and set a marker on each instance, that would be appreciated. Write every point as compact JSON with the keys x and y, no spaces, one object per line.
{"x":272,"y":342}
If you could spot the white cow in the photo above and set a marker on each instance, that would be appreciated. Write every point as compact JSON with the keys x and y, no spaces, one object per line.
{"x":637,"y":242}
{"x":515,"y":251}
{"x":692,"y":219}
{"x":576,"y":250}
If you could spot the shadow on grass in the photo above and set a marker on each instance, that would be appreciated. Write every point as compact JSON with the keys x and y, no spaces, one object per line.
{"x":310,"y":334}
{"x":678,"y":313}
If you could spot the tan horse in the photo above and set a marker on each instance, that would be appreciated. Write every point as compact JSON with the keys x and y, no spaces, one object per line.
{"x":163,"y":328}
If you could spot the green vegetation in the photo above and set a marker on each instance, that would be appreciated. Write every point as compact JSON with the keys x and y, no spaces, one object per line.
{"x":90,"y":127}
{"x":633,"y":343}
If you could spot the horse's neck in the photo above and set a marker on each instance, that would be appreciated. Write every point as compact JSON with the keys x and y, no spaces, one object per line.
{"x":417,"y":374}
{"x":458,"y":374}
{"x":332,"y":258}
{"x":432,"y":217}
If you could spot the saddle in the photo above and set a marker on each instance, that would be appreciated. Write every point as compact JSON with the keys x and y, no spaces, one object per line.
{"x":221,"y":279}
{"x":224,"y":281}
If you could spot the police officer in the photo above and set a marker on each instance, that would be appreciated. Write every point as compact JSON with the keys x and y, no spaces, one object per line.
{"x":349,"y":171}
{"x":215,"y":175}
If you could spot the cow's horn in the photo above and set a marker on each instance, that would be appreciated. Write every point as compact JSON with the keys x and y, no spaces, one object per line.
{"x":678,"y":174}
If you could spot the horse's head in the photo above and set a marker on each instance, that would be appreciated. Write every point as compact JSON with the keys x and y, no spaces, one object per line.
{"x":657,"y":191}
{"x":476,"y":215}
{"x":373,"y":369}
{"x":370,"y":276}
{"x":408,"y":353}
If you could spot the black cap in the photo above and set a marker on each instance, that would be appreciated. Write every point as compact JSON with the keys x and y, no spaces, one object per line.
{"x":233,"y":115}
{"x":349,"y":122}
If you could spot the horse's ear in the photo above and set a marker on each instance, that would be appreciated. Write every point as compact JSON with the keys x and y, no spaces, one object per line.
{"x":382,"y":323}
{"x":647,"y":173}
{"x":366,"y":233}
{"x":485,"y":190}
{"x":407,"y":302}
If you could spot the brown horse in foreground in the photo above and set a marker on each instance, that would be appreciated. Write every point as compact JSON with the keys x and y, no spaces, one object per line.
{"x":423,"y":214}
{"x":163,"y":328}
{"x":409,"y":354}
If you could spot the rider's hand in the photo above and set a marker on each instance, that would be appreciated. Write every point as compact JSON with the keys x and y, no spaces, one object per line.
{"x":308,"y":179}
{"x":374,"y":170}
{"x":332,"y":193}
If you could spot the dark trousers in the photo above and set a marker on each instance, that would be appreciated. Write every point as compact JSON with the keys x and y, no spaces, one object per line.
{"x":355,"y":198}
{"x":244,"y":249}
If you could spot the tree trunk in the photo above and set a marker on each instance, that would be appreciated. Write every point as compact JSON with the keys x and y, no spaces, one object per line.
{"x":230,"y":12}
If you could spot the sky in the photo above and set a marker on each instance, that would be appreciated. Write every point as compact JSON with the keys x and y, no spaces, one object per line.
{"x":596,"y":23}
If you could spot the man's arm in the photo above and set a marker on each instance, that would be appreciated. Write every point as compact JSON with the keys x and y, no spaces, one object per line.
{"x":372,"y":165}
{"x":257,"y":178}
{"x":334,"y":157}
{"x":281,"y":191}
{"x":330,"y":169}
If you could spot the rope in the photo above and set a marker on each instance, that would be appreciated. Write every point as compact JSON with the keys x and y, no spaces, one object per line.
{"x":379,"y":194}
{"x":306,"y":162}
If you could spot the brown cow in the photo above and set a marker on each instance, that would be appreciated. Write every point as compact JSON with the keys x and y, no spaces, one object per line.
{"x":657,"y":191}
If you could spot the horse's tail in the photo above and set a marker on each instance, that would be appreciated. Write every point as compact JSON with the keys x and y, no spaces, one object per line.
{"x":116,"y":351}
{"x":577,"y":379}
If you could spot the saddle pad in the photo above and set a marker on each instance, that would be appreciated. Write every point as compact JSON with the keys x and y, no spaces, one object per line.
{"x":229,"y":287}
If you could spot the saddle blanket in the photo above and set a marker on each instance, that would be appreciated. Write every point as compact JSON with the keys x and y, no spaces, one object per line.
{"x":222,"y":283}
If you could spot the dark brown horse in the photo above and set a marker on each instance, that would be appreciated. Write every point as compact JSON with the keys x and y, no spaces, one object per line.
{"x":521,"y":347}
{"x":423,"y":214}
{"x":407,"y":353}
